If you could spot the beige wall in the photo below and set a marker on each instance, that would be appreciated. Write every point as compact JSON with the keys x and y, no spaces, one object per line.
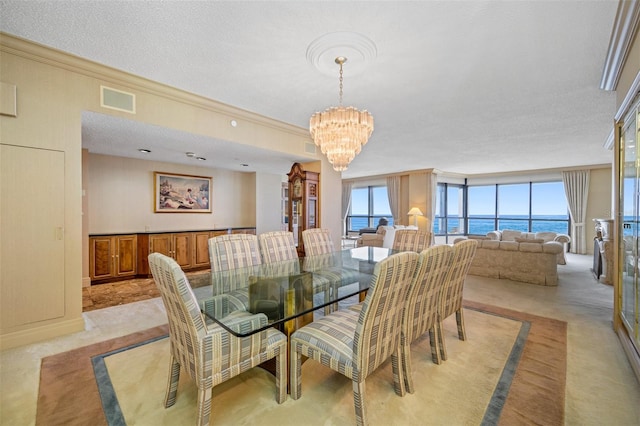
{"x":54,"y":89}
{"x":120,"y":193}
{"x":599,"y":202}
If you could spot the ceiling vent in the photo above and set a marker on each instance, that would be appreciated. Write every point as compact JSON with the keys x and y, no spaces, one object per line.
{"x":117,"y":99}
{"x":310,"y":148}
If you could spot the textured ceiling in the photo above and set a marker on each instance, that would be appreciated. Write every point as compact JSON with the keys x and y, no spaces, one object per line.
{"x":465,"y":87}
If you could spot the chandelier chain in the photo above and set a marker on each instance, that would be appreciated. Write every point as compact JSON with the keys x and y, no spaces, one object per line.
{"x":340,"y":97}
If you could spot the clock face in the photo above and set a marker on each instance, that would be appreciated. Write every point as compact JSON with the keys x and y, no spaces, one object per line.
{"x":297,"y":188}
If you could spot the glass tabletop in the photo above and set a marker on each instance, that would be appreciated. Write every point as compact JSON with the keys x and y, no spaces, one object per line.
{"x":284,"y":293}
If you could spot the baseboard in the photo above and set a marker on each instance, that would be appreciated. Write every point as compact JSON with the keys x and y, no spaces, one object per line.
{"x":630,"y":350}
{"x":86,"y":282}
{"x":38,"y":334}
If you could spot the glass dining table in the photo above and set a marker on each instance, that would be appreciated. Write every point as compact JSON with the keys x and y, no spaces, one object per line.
{"x":287,"y":293}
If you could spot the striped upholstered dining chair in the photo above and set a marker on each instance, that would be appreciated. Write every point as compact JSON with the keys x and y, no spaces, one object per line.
{"x":356,"y":342}
{"x":234,"y":251}
{"x":231,"y":256}
{"x":317,"y":241}
{"x":421,"y":310}
{"x":209,"y":354}
{"x":321,"y":258}
{"x":411,"y":240}
{"x":278,"y":249}
{"x":451,"y":297}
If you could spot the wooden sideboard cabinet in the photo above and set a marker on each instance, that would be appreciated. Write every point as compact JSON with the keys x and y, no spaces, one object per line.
{"x":112,"y":257}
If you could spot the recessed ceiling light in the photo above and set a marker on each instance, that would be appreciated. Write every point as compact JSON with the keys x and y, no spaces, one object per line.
{"x":190,"y":154}
{"x":244,"y":165}
{"x":144,"y":151}
{"x":234,"y":123}
{"x":200,"y":158}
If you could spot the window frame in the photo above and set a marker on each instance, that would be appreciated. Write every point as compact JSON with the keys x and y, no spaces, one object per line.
{"x":372,"y":218}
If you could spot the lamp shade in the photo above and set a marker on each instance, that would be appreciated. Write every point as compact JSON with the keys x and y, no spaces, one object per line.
{"x":415,"y":212}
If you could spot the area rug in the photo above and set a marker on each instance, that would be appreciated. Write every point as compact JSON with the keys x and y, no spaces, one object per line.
{"x":511,"y":370}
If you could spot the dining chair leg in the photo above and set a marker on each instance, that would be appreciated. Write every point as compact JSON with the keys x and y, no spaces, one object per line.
{"x":462,"y":335}
{"x":295,"y":372}
{"x":358,"y":402}
{"x":435,"y":344}
{"x":172,"y":384}
{"x":399,"y":378}
{"x":281,"y":376}
{"x":406,"y":368}
{"x":204,"y":406}
{"x":443,"y":345}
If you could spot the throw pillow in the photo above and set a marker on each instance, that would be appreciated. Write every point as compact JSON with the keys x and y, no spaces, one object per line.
{"x":389,"y":236}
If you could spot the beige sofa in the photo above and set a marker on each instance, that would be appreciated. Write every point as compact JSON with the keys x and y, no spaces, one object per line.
{"x":510,"y":235}
{"x":383,"y":237}
{"x":529,"y":262}
{"x":372,"y":240}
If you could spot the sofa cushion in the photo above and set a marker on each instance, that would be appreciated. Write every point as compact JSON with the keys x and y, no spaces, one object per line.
{"x":553,"y":247}
{"x":530,"y":240}
{"x":531,"y":247}
{"x":509,"y":245}
{"x":509,"y":235}
{"x":490,"y":244}
{"x":546,"y":236}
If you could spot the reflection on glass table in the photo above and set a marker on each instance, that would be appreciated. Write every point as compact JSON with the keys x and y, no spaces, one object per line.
{"x":287,"y":293}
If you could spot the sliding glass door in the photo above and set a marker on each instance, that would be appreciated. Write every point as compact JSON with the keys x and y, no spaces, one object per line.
{"x":630,"y":207}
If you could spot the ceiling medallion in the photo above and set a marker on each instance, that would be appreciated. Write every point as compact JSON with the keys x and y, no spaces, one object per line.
{"x":323,"y":51}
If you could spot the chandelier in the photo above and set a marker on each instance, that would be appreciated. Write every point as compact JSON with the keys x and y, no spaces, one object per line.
{"x":340,"y":131}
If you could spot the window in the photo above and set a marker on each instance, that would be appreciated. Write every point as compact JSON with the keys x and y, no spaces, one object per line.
{"x":450,"y":204}
{"x":368,"y":205}
{"x":513,"y":207}
{"x":528,"y":207}
{"x":481,"y":205}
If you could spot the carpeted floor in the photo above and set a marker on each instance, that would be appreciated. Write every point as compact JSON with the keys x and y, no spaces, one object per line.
{"x":512,"y":369}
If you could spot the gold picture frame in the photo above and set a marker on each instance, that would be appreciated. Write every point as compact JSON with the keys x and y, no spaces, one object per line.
{"x":177,"y":193}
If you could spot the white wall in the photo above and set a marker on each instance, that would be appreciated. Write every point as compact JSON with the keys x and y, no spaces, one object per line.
{"x":268,"y":208}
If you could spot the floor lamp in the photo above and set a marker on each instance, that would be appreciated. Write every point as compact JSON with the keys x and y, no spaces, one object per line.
{"x":415,"y":212}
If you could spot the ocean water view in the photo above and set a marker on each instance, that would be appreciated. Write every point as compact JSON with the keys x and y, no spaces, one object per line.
{"x":480,"y":225}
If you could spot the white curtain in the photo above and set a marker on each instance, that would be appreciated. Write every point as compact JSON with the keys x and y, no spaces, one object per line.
{"x":393,"y":193}
{"x":576,"y":188}
{"x":346,"y":202}
{"x":432,"y":192}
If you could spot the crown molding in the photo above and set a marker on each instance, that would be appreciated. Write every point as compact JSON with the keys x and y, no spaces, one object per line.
{"x":632,"y":95}
{"x":625,"y":26}
{"x":59,"y":59}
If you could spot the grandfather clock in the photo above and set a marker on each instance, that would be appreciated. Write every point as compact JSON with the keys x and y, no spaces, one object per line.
{"x":303,"y":203}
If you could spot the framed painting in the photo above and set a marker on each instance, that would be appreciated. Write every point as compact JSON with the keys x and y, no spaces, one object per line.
{"x":175,"y":193}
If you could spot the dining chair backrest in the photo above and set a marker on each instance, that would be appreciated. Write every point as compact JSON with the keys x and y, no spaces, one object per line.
{"x":234,"y":251}
{"x":411,"y":240}
{"x":186,"y":323}
{"x":421,"y":311}
{"x":451,"y":299}
{"x":277,"y":246}
{"x":377,"y":334}
{"x":317,"y":241}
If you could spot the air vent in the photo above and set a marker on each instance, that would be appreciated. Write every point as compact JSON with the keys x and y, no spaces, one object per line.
{"x":309,"y":148}
{"x":117,"y":99}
